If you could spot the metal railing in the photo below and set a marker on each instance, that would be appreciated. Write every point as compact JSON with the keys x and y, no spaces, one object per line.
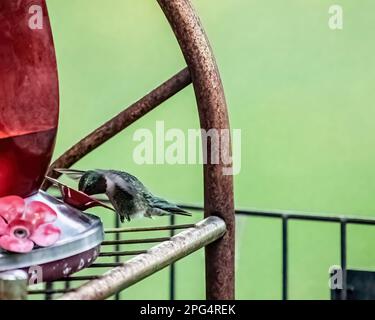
{"x":146,"y":264}
{"x":285,"y":217}
{"x":164,"y":251}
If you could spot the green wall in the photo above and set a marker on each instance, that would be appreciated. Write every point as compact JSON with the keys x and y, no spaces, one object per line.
{"x":301,"y":93}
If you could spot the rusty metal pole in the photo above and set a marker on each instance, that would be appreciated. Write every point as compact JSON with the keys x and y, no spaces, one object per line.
{"x":218,"y":188}
{"x":118,"y":123}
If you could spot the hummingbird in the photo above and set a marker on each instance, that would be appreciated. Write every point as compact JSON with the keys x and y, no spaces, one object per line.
{"x":129,"y":197}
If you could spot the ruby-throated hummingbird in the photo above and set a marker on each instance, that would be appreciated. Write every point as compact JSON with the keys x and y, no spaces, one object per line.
{"x":127,"y":194}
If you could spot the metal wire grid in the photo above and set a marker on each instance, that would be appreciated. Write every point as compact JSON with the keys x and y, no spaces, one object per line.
{"x":285,"y":218}
{"x":117,"y":256}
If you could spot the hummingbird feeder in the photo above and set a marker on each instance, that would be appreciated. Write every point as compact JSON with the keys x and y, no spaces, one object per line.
{"x":36,"y":229}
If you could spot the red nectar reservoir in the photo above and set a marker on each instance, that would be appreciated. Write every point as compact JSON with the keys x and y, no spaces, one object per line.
{"x":29,"y":98}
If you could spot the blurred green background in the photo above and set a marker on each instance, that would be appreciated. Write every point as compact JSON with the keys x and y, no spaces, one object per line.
{"x":301,"y":93}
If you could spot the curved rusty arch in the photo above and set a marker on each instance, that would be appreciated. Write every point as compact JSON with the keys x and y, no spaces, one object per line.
{"x":202,"y":71}
{"x":212,"y":107}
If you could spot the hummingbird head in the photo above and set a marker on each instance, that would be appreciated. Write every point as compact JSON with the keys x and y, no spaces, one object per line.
{"x":92,"y":182}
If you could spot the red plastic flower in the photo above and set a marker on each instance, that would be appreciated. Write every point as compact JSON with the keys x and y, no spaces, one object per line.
{"x":23,"y":225}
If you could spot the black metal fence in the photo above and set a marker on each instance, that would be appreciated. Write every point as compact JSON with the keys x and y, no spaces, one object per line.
{"x":285,"y":217}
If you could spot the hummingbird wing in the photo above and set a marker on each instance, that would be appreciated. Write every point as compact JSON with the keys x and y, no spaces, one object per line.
{"x":124,"y":192}
{"x":123,"y":203}
{"x":127,"y":182}
{"x":135,"y":188}
{"x":71,"y":173}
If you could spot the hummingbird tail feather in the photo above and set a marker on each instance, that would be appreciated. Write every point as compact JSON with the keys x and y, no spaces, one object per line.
{"x":168,"y":208}
{"x":180,"y":212}
{"x":168,"y":211}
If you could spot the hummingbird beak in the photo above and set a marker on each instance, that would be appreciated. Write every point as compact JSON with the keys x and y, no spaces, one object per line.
{"x":71,"y":173}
